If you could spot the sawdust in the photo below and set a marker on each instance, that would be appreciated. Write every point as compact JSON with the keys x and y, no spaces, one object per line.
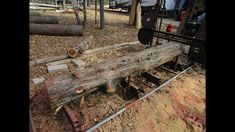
{"x":162,"y":111}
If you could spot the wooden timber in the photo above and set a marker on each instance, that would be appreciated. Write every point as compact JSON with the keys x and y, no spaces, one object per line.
{"x":67,"y":87}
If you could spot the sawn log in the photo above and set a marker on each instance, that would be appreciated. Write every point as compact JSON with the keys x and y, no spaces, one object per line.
{"x":44,"y":19}
{"x":56,"y":29}
{"x":67,"y":87}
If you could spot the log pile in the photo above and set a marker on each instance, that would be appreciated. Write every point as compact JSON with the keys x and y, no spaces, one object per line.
{"x":67,"y":87}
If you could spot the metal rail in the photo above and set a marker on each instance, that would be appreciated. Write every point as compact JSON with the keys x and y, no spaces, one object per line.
{"x":123,"y":108}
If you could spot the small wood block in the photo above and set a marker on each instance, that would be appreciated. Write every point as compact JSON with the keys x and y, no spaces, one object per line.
{"x":57,"y":68}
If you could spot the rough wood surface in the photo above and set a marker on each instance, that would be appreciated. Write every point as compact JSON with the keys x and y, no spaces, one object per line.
{"x":67,"y":87}
{"x":55,"y":60}
{"x":34,"y":14}
{"x":78,"y":49}
{"x":56,"y":29}
{"x":44,"y":19}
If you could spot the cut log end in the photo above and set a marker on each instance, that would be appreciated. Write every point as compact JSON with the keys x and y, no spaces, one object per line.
{"x":72,"y":52}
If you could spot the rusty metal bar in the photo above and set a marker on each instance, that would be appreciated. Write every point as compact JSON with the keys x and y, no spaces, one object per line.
{"x":166,"y":69}
{"x":72,"y":118}
{"x":32,"y":126}
{"x":152,"y":78}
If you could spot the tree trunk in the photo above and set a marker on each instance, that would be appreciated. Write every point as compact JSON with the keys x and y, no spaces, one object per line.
{"x":75,"y":8}
{"x":132,"y":13}
{"x":43,"y":19}
{"x":138,"y":16}
{"x":88,"y":2}
{"x":56,"y":2}
{"x":102,"y":19}
{"x":81,"y":47}
{"x":67,"y":87}
{"x":64,"y":6}
{"x":84,"y":11}
{"x":96,"y":11}
{"x":56,"y":29}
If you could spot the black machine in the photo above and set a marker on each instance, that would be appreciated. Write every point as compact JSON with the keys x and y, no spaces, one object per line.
{"x":195,"y":39}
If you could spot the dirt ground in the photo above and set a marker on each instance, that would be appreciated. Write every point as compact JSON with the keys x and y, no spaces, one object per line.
{"x":179,"y":107}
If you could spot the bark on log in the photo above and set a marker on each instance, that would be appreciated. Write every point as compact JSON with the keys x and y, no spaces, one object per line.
{"x":133,"y":12}
{"x":34,"y":14}
{"x":43,"y":19}
{"x":56,"y":29}
{"x":81,"y":47}
{"x":67,"y":87}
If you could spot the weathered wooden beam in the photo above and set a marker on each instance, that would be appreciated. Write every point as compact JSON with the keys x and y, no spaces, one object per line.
{"x":67,"y":87}
{"x":56,"y":29}
{"x":81,"y":47}
{"x":44,"y":19}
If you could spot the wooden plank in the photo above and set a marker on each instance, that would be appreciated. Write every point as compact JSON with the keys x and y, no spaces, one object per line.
{"x":133,"y":11}
{"x":59,"y":62}
{"x":67,"y":87}
{"x":56,"y":68}
{"x":80,"y":64}
{"x":43,"y":5}
{"x":50,"y":59}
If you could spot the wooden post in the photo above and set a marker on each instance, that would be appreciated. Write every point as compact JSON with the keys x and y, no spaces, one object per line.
{"x":82,"y":101}
{"x":96,"y":11}
{"x":63,"y":4}
{"x":75,"y":8}
{"x":102,"y":20}
{"x":88,"y":2}
{"x":138,"y":15}
{"x":56,"y":2}
{"x":84,"y":12}
{"x":132,"y":14}
{"x":158,"y":7}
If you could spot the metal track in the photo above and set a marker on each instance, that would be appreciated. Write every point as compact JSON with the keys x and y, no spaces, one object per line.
{"x":128,"y":105}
